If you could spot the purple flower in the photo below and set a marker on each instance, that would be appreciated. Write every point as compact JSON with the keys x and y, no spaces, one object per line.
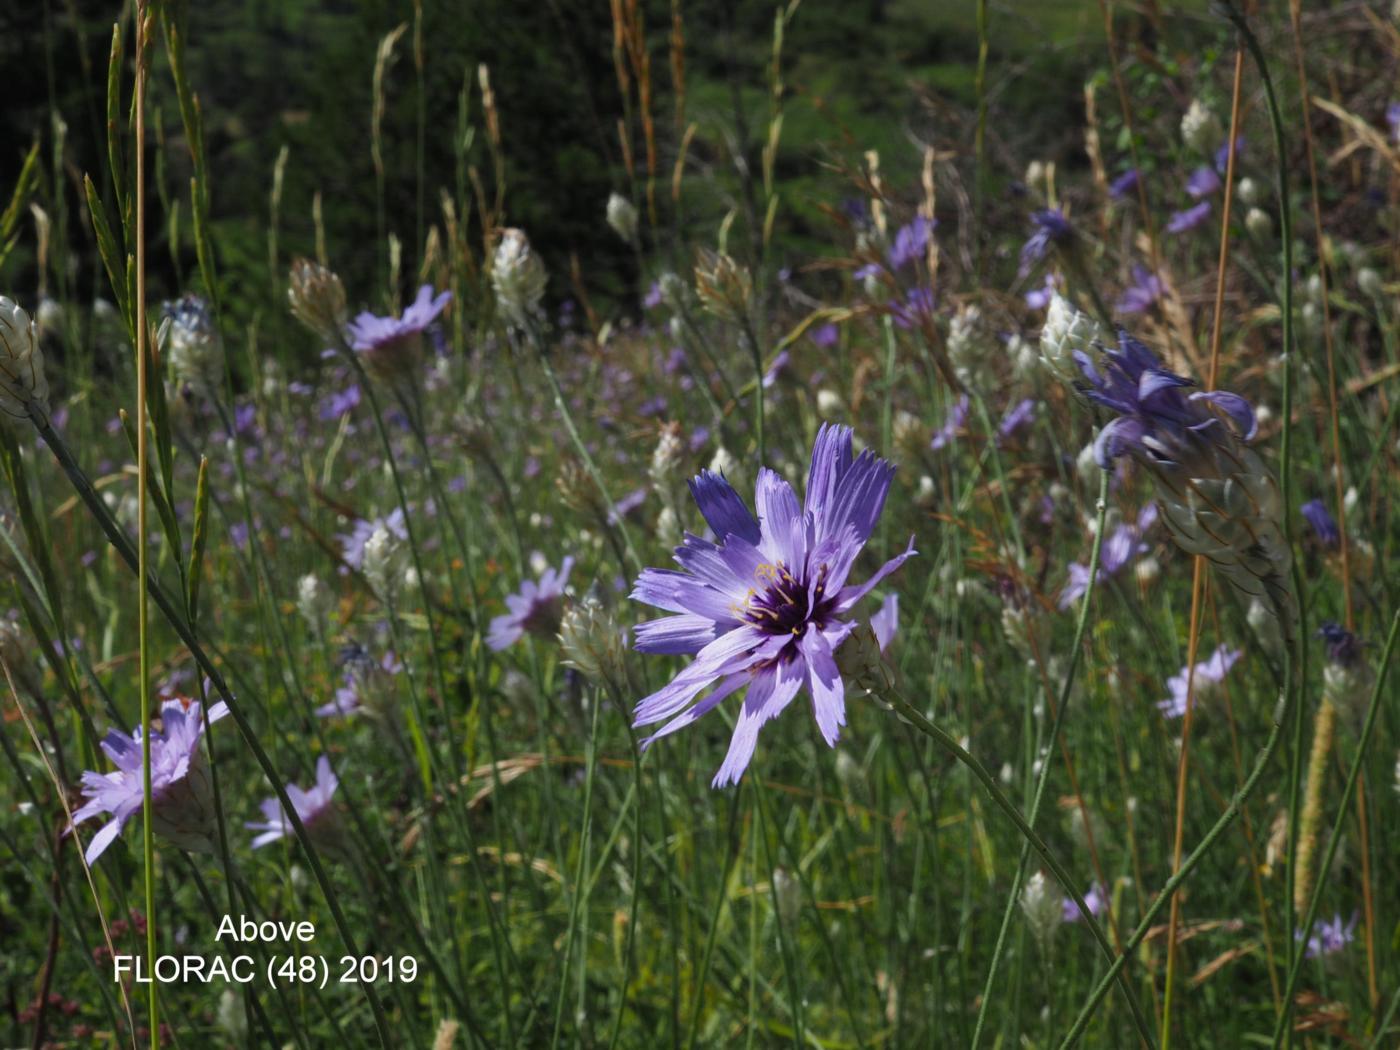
{"x":777,"y":369}
{"x":1343,"y":647}
{"x":353,"y":543}
{"x":916,"y":308}
{"x":1328,"y":937}
{"x":1155,"y":419}
{"x":536,"y":609}
{"x":1051,"y":228}
{"x":1208,"y":673}
{"x":1322,"y":522}
{"x":1139,"y":296}
{"x":1039,"y":298}
{"x":1203,"y":182}
{"x":654,"y":298}
{"x":1096,"y":900}
{"x":181,"y":793}
{"x":391,"y":342}
{"x":1392,"y":117}
{"x":1017,"y":416}
{"x":1119,"y":549}
{"x":765,"y":606}
{"x":367,"y":685}
{"x":1124,"y":184}
{"x":340,"y":404}
{"x":910,"y":242}
{"x":1181,"y":221}
{"x":314,"y":808}
{"x":825,"y":336}
{"x":948,"y":433}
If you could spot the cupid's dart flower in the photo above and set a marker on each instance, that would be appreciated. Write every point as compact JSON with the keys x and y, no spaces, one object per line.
{"x":1209,"y":673}
{"x":182,"y":797}
{"x":315,"y":809}
{"x":193,"y":346}
{"x":22,"y":382}
{"x":765,"y":606}
{"x":393,"y":346}
{"x":1217,"y":497}
{"x":537,"y":609}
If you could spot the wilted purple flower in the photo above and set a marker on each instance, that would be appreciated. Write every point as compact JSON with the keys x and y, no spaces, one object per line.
{"x":353,"y":542}
{"x":1328,"y":937}
{"x":1124,"y":184}
{"x":1203,"y":182}
{"x":1145,"y":290}
{"x":917,"y":307}
{"x":1209,"y":672}
{"x":1051,"y":228}
{"x":1217,"y":497}
{"x":314,"y":807}
{"x":777,"y":369}
{"x":340,"y":404}
{"x":391,"y":344}
{"x":181,"y":792}
{"x":764,"y":607}
{"x":910,"y":242}
{"x":1094,"y":897}
{"x":1189,"y":219}
{"x":1017,"y":416}
{"x":535,"y":610}
{"x":1343,"y":647}
{"x":957,"y":419}
{"x":367,"y":685}
{"x":1322,"y":522}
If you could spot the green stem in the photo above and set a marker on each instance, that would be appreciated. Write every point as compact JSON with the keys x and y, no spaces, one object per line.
{"x":1063,"y":705}
{"x":170,"y":610}
{"x":943,"y":739}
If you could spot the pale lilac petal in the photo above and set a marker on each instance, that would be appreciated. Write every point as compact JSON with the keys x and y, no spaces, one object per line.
{"x":850,"y":595}
{"x":722,"y":507}
{"x":885,"y":622}
{"x":824,"y":682}
{"x":701,"y":707}
{"x":684,"y":634}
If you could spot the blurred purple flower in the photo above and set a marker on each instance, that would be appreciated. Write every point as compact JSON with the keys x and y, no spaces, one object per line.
{"x":825,"y":336}
{"x":1124,"y":184}
{"x":1050,"y":228}
{"x":1039,"y":298}
{"x":1322,"y":522}
{"x":536,"y":609}
{"x":1189,"y":219}
{"x":1017,"y":416}
{"x":1343,"y":647}
{"x":916,"y":308}
{"x":340,"y":404}
{"x":957,"y":418}
{"x":1203,"y":182}
{"x":764,"y":608}
{"x":1120,"y":548}
{"x":1328,"y":937}
{"x":1209,"y":672}
{"x":353,"y":543}
{"x":314,"y":808}
{"x":375,"y":336}
{"x":910,"y":242}
{"x":1096,"y":900}
{"x":1139,"y":296}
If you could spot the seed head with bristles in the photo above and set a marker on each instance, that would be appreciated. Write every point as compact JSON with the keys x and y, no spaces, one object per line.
{"x":22,"y":382}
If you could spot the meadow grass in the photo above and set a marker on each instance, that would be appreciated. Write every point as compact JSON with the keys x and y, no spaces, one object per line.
{"x":1116,"y":762}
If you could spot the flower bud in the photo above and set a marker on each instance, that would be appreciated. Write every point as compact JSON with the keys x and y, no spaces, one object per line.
{"x":193,"y":346}
{"x":724,"y":287}
{"x":382,"y":563}
{"x":622,"y":217}
{"x":22,"y":382}
{"x":1066,"y":330}
{"x":1259,"y":224}
{"x":829,"y":403}
{"x":1370,"y":283}
{"x":317,"y":299}
{"x":593,"y":642}
{"x":315,"y":601}
{"x":518,"y":277}
{"x":1251,"y":194}
{"x":1200,"y":129}
{"x":1043,"y":910}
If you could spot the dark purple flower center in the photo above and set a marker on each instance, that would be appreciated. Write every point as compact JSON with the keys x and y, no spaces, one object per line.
{"x":782,"y":604}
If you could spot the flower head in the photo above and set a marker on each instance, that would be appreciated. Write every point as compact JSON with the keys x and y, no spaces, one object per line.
{"x":1343,"y":647}
{"x":317,"y":299}
{"x":518,"y":277}
{"x":1050,"y":228}
{"x":1328,"y":937}
{"x":536,"y":609}
{"x":622,"y":217}
{"x":1094,"y":897}
{"x":1139,"y":296}
{"x":368,"y":685}
{"x":394,"y":345}
{"x":315,"y":809}
{"x":1189,"y":218}
{"x":1124,"y":184}
{"x":1322,"y":522}
{"x":182,"y":808}
{"x":765,"y":605}
{"x":22,"y":381}
{"x":1209,"y":673}
{"x":1067,"y":334}
{"x":193,"y":345}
